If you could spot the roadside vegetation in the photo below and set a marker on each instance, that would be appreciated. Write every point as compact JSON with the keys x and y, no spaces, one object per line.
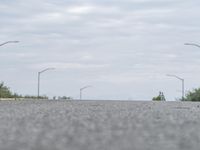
{"x":5,"y":92}
{"x":160,"y":97}
{"x":193,"y":95}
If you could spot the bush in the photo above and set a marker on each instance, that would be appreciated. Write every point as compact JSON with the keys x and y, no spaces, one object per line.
{"x":160,"y":97}
{"x":193,"y":95}
{"x":5,"y":91}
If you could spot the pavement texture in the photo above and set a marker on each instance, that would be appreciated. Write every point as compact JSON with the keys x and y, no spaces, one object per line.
{"x":99,"y":125}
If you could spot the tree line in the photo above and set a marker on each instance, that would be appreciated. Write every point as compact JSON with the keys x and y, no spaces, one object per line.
{"x":5,"y":92}
{"x":193,"y":95}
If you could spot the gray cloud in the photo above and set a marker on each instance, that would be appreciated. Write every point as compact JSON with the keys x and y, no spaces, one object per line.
{"x":127,"y":46}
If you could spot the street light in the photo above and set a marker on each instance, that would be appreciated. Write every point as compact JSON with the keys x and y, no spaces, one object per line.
{"x":83,"y":88}
{"x":8,"y":42}
{"x":39,"y":73}
{"x":5,"y":44}
{"x":182,"y":80}
{"x":192,"y":44}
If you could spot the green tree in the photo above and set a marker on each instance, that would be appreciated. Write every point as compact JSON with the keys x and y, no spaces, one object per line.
{"x":64,"y":98}
{"x":35,"y":97}
{"x":193,"y":95}
{"x":160,"y":97}
{"x":5,"y":91}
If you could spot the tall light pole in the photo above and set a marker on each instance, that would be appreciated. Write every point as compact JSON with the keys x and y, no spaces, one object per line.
{"x":83,"y":88}
{"x":8,"y":42}
{"x":182,"y":80}
{"x":39,"y":73}
{"x":5,"y":44}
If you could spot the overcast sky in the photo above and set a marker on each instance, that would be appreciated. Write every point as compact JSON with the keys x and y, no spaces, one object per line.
{"x":123,"y":48}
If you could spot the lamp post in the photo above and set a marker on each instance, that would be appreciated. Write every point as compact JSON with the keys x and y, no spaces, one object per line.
{"x":39,"y":73}
{"x":5,"y":44}
{"x":182,"y":80}
{"x":8,"y":42}
{"x":83,"y":88}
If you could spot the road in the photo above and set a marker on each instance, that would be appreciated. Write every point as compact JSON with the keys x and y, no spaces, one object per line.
{"x":99,"y":125}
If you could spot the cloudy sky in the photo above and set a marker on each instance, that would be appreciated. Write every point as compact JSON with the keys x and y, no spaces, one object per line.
{"x":123,"y":48}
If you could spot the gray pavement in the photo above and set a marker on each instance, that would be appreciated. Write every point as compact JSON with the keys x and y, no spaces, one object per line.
{"x":99,"y":125}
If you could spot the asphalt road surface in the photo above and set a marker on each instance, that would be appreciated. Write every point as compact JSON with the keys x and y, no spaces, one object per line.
{"x":99,"y":125}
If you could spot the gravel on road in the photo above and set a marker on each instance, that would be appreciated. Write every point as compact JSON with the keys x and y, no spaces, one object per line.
{"x":99,"y":125}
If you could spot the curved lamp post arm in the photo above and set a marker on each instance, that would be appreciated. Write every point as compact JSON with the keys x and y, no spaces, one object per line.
{"x":170,"y":75}
{"x":8,"y":42}
{"x":192,"y":44}
{"x":46,"y":70}
{"x":85,"y":87}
